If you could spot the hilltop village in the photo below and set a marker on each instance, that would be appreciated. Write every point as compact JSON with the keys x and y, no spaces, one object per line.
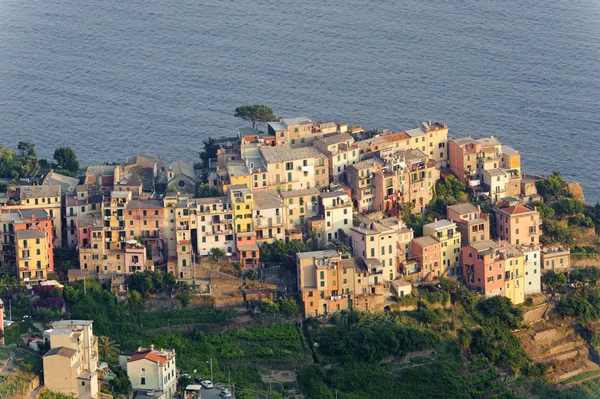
{"x":300,"y":180}
{"x":368,"y":220}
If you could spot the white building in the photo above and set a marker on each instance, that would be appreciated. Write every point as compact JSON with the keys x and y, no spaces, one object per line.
{"x":336,"y":207}
{"x":152,"y":372}
{"x":533,"y":284}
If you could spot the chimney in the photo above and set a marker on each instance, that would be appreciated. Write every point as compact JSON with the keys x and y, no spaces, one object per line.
{"x":152,"y":347}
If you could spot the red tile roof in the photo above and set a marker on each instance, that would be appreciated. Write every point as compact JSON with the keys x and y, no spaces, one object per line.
{"x":149,"y":355}
{"x":516,"y":209}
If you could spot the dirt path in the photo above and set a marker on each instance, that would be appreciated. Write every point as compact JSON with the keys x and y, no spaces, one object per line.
{"x":35,"y":392}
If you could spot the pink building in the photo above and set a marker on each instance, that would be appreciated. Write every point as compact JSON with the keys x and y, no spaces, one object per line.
{"x":426,"y":250}
{"x":518,"y":224}
{"x":482,"y":267}
{"x":247,"y":249}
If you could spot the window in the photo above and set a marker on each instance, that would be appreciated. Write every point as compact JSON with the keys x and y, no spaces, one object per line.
{"x":143,"y":382}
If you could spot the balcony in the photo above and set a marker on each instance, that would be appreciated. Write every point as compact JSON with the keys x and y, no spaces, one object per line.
{"x":183,"y":227}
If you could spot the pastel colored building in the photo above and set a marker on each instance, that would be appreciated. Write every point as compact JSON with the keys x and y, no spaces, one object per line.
{"x":336,"y":208}
{"x":426,"y":250}
{"x":473,"y":224}
{"x":495,"y":268}
{"x":152,"y":372}
{"x":47,"y":198}
{"x":341,"y":151}
{"x":295,"y":168}
{"x":533,"y":269}
{"x":385,"y":240}
{"x":518,"y":224}
{"x":71,"y":363}
{"x":269,"y":216}
{"x":301,"y":131}
{"x":327,"y":284}
{"x":449,"y":238}
{"x":556,"y":258}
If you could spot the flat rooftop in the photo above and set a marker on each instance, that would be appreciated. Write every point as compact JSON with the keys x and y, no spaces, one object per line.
{"x":286,"y":154}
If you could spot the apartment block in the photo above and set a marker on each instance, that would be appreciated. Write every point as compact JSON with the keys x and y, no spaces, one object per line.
{"x":27,"y":244}
{"x":385,"y":241}
{"x":301,"y":131}
{"x":447,"y":234}
{"x":300,"y":206}
{"x":71,"y":363}
{"x":34,"y":255}
{"x":427,"y":252}
{"x":341,"y":152}
{"x":152,"y":372}
{"x":518,"y":224}
{"x":215,"y":224}
{"x":242,"y":200}
{"x":269,"y":216}
{"x":533,"y":269}
{"x":327,"y":283}
{"x":336,"y":208}
{"x":295,"y":168}
{"x":360,"y":178}
{"x":47,"y":198}
{"x":432,"y":140}
{"x":472,"y":224}
{"x":79,"y":203}
{"x":495,"y":268}
{"x":407,"y":177}
{"x":487,"y":163}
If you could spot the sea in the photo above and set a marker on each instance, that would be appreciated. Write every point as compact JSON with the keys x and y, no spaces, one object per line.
{"x":115,"y":77}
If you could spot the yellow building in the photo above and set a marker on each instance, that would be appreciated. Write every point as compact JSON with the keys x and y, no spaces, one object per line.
{"x":511,"y":159}
{"x":300,"y":205}
{"x":242,"y":202}
{"x":46,"y":197}
{"x":295,"y":168}
{"x":446,"y":233}
{"x":514,"y":281}
{"x":33,"y":257}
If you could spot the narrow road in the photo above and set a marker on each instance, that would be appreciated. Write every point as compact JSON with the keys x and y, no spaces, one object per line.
{"x":35,"y":392}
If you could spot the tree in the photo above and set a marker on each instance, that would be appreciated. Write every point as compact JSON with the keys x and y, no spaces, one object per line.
{"x":66,"y":159}
{"x":545,"y":211}
{"x":256,"y":113}
{"x":107,"y":347}
{"x":217,"y":252}
{"x":568,"y":206}
{"x":210,"y":151}
{"x":552,"y":187}
{"x":26,"y":149}
{"x":554,"y":280}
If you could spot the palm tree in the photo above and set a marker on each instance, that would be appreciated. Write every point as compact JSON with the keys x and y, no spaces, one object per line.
{"x":107,"y":347}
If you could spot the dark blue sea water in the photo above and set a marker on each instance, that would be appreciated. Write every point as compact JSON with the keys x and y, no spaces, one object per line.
{"x":110,"y":78}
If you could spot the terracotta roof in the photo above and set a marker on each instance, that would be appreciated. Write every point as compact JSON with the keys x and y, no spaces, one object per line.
{"x":396,"y":136}
{"x":149,"y":355}
{"x":516,"y":209}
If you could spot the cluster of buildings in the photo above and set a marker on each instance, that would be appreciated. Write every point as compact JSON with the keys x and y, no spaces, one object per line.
{"x":303,"y":180}
{"x":72,"y":366}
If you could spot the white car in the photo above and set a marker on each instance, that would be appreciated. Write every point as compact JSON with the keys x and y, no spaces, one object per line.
{"x":225,"y":393}
{"x":207,"y":384}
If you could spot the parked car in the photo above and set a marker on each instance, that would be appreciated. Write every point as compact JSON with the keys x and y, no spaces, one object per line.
{"x":197,"y":380}
{"x":207,"y":384}
{"x":226,"y":393}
